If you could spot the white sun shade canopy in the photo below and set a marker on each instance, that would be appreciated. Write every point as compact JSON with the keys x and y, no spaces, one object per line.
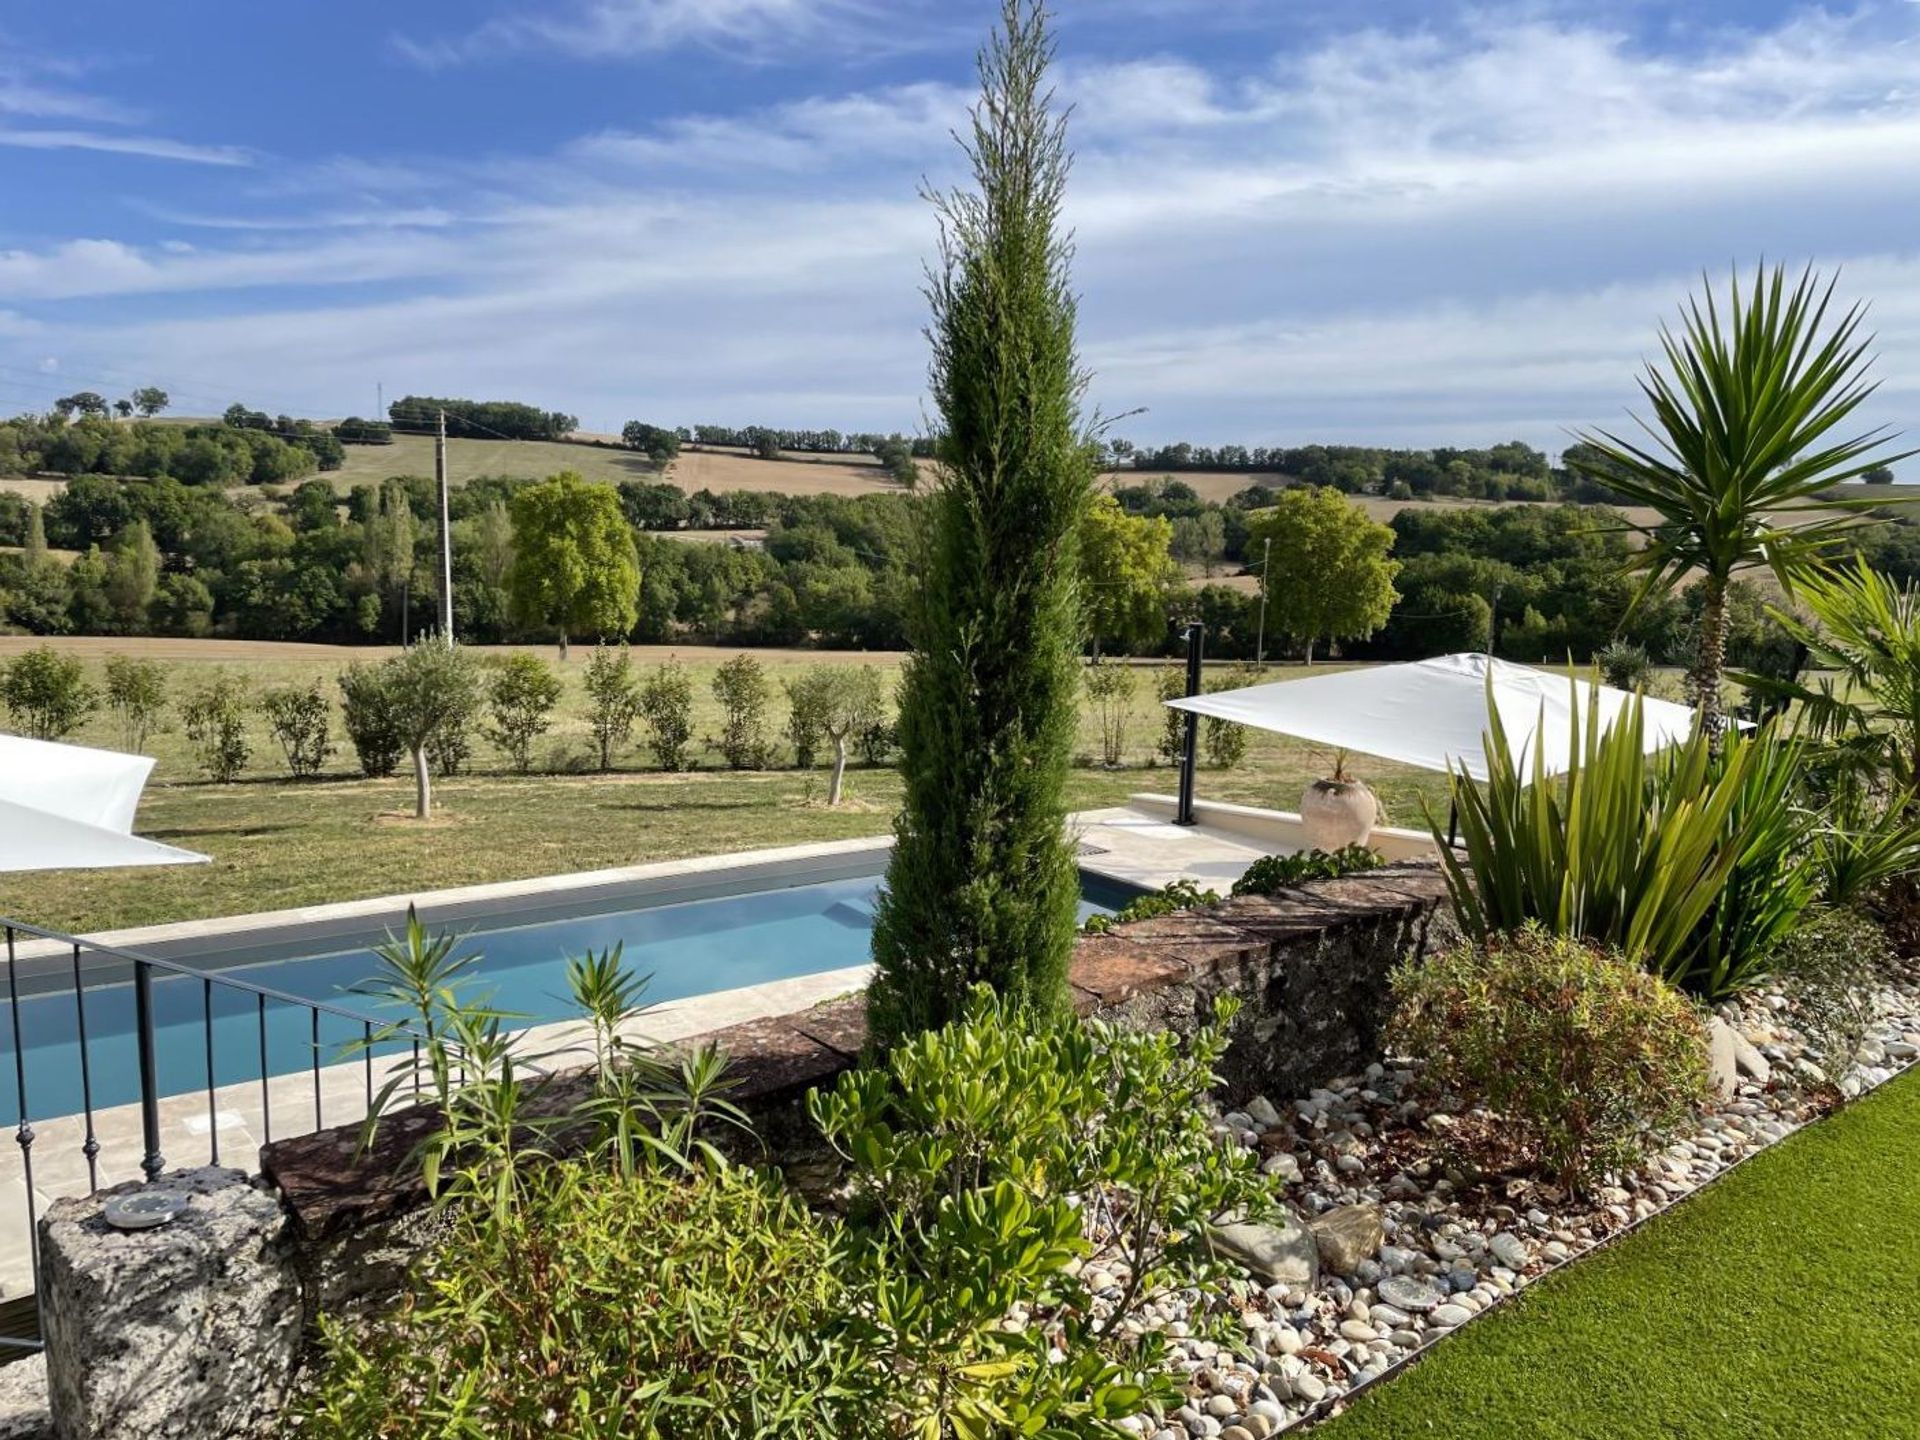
{"x":68,"y":807}
{"x":1433,"y":713}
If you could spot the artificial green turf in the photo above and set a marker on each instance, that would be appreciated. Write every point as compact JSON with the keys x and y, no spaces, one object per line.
{"x":1784,"y":1301}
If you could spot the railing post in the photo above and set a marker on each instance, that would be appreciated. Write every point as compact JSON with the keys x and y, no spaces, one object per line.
{"x":153,"y":1162}
{"x":1190,"y":751}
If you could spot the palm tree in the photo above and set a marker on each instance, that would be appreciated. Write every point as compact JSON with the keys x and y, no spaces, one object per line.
{"x":1739,"y":450}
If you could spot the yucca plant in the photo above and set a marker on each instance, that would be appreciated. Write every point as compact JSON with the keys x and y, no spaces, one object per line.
{"x":1692,"y":865}
{"x":1740,"y":449}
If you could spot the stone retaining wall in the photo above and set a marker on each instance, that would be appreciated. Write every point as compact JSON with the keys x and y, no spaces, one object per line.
{"x":1309,"y":964}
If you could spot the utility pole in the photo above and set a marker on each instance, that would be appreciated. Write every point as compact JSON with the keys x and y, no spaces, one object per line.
{"x":446,"y":533}
{"x":1266,"y":558}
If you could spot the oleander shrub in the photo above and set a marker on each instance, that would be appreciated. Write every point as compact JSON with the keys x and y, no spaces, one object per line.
{"x":47,"y":694}
{"x":1586,"y":1060}
{"x":1271,"y":873}
{"x":214,"y":715}
{"x":644,"y":1306}
{"x":1174,"y":896}
{"x":521,"y":695}
{"x":1110,"y":690}
{"x":370,"y":711}
{"x":985,"y":1157}
{"x":666,"y":709}
{"x":613,"y":700}
{"x":743,"y":691}
{"x":1830,"y":968}
{"x":137,"y":695}
{"x":299,"y":717}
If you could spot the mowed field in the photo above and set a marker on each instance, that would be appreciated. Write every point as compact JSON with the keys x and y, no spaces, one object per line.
{"x":715,"y":470}
{"x":276,"y":842}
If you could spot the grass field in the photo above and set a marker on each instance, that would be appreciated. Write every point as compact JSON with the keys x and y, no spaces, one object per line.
{"x":277,"y":843}
{"x":1780,"y":1304}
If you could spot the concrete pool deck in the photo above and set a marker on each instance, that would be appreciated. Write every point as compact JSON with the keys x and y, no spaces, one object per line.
{"x":1135,"y":843}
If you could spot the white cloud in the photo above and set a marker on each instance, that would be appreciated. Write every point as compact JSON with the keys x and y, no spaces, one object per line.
{"x":156,"y":147}
{"x":1442,"y":234}
{"x":617,"y":29}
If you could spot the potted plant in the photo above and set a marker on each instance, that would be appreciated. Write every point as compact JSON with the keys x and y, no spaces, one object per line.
{"x":1338,"y":811}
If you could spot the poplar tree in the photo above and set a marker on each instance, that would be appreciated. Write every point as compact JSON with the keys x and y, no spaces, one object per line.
{"x":982,"y":885}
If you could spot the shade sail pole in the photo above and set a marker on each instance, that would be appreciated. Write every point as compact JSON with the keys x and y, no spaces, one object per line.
{"x":1190,"y":750}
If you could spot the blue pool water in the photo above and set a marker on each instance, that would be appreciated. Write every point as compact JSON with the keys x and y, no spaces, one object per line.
{"x":694,"y":948}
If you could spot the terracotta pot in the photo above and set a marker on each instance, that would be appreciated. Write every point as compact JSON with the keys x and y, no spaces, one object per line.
{"x":1338,"y":813}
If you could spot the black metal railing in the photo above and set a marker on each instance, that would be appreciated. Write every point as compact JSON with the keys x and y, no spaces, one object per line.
{"x":73,"y":980}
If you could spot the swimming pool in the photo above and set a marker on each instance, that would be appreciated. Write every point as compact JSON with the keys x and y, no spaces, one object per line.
{"x":687,"y":947}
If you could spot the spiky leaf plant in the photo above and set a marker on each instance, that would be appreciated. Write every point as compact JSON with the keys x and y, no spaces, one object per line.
{"x":1740,"y":447}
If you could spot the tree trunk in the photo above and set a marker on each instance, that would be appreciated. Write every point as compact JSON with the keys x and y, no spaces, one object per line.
{"x":422,"y":785}
{"x":839,"y":769}
{"x":1309,"y":650}
{"x":1710,"y":658}
{"x":563,"y":647}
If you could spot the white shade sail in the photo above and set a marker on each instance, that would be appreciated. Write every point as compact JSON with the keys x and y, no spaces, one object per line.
{"x":69,"y":807}
{"x":1433,"y":713}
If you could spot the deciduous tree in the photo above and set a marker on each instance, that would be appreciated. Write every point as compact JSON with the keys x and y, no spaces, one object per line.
{"x":1330,"y":575}
{"x":1128,"y":569}
{"x":574,"y":568}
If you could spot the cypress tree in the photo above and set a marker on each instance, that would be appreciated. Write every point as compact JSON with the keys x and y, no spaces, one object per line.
{"x":982,"y":885}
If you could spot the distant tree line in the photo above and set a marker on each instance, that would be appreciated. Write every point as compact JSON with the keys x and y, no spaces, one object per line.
{"x":481,"y":419}
{"x":161,"y":554}
{"x":249,"y":448}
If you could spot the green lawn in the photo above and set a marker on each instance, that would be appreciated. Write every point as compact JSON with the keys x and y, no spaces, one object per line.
{"x":1784,"y":1301}
{"x":277,"y":843}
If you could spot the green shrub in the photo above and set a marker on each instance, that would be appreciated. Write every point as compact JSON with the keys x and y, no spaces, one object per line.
{"x":1830,"y":969}
{"x":657,"y":1307}
{"x":808,"y":706}
{"x":449,"y":746}
{"x":876,"y":740}
{"x":1694,"y":865}
{"x":214,"y":715}
{"x":1275,"y":872}
{"x":1171,"y":684}
{"x":137,"y":694}
{"x":1174,"y":896}
{"x":742,"y":688}
{"x":46,"y":693}
{"x":613,"y":700}
{"x":521,"y":695}
{"x":1587,"y":1061}
{"x":1110,"y":689}
{"x":977,"y":1157}
{"x":1624,"y":665}
{"x":666,"y":705}
{"x":372,"y":717}
{"x":298,"y":718}
{"x":1224,"y":742}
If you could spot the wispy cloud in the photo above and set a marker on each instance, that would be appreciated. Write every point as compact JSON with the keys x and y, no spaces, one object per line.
{"x":32,"y":88}
{"x":620,"y":29}
{"x":155,"y":147}
{"x":1453,"y":231}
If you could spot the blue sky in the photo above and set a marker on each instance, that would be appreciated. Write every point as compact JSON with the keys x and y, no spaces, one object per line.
{"x":1297,"y":220}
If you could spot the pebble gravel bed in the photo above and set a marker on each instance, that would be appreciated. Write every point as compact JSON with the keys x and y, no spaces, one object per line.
{"x":1448,"y":1248}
